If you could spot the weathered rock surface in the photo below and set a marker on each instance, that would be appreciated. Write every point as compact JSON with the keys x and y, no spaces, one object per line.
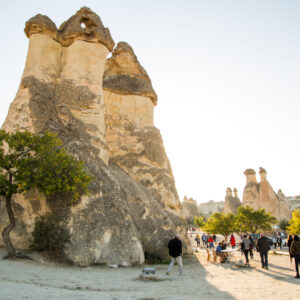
{"x":232,"y":203}
{"x":125,"y":216}
{"x":251,"y":190}
{"x":206,"y":209}
{"x":124,"y":74}
{"x":262,"y":196}
{"x":293,"y":202}
{"x":189,"y":209}
{"x":134,"y":143}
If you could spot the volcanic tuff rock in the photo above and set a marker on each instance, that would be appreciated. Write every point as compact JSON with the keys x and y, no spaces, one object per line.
{"x":124,"y":217}
{"x":208,"y":208}
{"x":134,"y":143}
{"x":189,"y":209}
{"x":294,"y":202}
{"x":261,"y":195}
{"x":232,"y":203}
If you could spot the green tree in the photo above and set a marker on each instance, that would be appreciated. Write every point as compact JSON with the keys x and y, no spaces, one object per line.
{"x":199,"y":221}
{"x":30,"y":161}
{"x":283,"y":224}
{"x":250,"y":220}
{"x":294,"y":227}
{"x":220,"y":223}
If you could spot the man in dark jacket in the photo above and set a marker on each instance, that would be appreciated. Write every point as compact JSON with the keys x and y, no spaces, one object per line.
{"x":295,"y":251}
{"x":263,"y":246}
{"x":175,"y":250}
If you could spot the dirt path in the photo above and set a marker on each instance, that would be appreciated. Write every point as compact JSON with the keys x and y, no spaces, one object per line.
{"x":202,"y":280}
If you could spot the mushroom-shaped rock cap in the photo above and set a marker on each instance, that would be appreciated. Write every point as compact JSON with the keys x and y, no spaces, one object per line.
{"x":249,"y":172}
{"x":85,"y":25}
{"x":124,"y":74}
{"x":40,"y":24}
{"x":262,"y":170}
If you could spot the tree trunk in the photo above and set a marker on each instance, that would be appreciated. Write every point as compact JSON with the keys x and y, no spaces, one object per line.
{"x":6,"y":231}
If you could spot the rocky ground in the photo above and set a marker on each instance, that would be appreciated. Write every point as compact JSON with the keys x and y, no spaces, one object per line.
{"x":40,"y":279}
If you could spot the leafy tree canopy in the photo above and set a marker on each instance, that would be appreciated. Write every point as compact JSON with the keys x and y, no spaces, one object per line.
{"x":283,"y":224}
{"x":294,"y":227}
{"x":199,"y":221}
{"x":250,"y":220}
{"x":220,"y":223}
{"x":29,"y":161}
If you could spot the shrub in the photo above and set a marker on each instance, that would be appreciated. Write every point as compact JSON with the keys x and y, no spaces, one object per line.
{"x":49,"y":233}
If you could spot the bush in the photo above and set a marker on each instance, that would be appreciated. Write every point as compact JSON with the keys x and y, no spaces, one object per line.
{"x":49,"y":233}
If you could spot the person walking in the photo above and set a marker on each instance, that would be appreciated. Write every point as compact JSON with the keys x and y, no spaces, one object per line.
{"x":263,"y":246}
{"x":175,"y":251}
{"x":279,"y":242}
{"x":295,"y":251}
{"x":204,"y":239}
{"x":197,"y":239}
{"x":251,"y":247}
{"x":246,"y":249}
{"x":214,"y":238}
{"x":232,"y":241}
{"x":289,"y":243}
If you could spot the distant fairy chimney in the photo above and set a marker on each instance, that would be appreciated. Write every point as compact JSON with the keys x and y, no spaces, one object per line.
{"x":263,"y":174}
{"x":250,"y":176}
{"x":235,"y":193}
{"x":228,"y":192}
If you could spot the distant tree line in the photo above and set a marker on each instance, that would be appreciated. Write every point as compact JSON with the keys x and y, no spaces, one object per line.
{"x":247,"y":220}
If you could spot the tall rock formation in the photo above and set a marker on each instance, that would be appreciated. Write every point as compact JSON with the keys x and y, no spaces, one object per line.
{"x":262,"y":196}
{"x":251,"y":190}
{"x":189,"y":209}
{"x":124,"y":217}
{"x":134,"y":143}
{"x":284,"y":206}
{"x":232,"y":203}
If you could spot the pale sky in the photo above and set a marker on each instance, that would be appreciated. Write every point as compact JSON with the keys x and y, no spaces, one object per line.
{"x":226,"y":73}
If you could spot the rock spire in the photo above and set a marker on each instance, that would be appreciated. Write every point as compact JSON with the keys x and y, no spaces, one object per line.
{"x":232,"y":203}
{"x":131,"y":209}
{"x":262,"y":196}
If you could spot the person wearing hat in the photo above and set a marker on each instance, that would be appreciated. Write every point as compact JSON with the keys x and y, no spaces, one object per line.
{"x":175,"y":251}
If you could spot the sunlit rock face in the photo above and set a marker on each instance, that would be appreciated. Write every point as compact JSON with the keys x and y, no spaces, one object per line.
{"x":123,"y":218}
{"x":208,"y":208}
{"x":262,"y":196}
{"x":134,"y":143}
{"x":189,"y":209}
{"x":293,"y":202}
{"x":251,"y":190}
{"x":232,"y":203}
{"x":284,"y":207}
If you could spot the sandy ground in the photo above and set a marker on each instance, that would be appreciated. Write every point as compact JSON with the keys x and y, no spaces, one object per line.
{"x":22,"y":279}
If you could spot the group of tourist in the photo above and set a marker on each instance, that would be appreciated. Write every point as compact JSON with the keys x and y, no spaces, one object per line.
{"x":207,"y":240}
{"x":263,"y":245}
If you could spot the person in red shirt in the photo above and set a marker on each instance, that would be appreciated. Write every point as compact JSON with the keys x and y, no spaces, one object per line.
{"x":232,"y":241}
{"x":210,"y":242}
